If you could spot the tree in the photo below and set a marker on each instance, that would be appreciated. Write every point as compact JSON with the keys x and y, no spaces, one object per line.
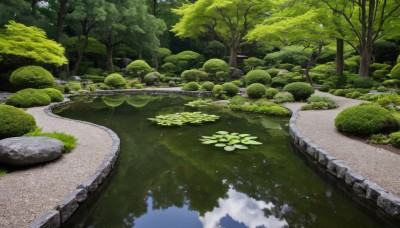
{"x":368,"y":20}
{"x":127,"y":21}
{"x":86,"y":15}
{"x":296,"y":23}
{"x":226,"y":20}
{"x":30,"y":44}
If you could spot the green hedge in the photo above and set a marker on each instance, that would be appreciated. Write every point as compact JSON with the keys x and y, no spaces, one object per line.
{"x":230,"y":89}
{"x":191,"y":86}
{"x":54,"y":94}
{"x":28,"y":98}
{"x":213,"y":66}
{"x":299,"y":90}
{"x":363,"y":82}
{"x":258,"y":76}
{"x":207,"y":86}
{"x":115,"y":81}
{"x":256,"y":90}
{"x":15,"y":122}
{"x":32,"y":77}
{"x":138,"y":68}
{"x":366,"y":120}
{"x":194,"y":75}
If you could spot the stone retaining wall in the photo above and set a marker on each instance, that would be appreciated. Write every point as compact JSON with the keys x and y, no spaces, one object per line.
{"x":72,"y":201}
{"x":361,"y":187}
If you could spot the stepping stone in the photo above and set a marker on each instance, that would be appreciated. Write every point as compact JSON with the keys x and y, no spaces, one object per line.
{"x":24,"y":151}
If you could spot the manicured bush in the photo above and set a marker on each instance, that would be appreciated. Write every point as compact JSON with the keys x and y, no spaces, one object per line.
{"x":395,"y":73}
{"x":273,"y":71}
{"x":270,"y":93}
{"x":115,"y":81}
{"x":14,"y":122}
{"x":253,"y":62}
{"x":238,"y":83}
{"x":207,"y":86}
{"x":31,"y":77}
{"x":363,"y":82}
{"x":191,"y":86}
{"x":72,"y":87}
{"x":327,"y":86}
{"x":27,"y":98}
{"x":218,"y":92}
{"x":258,"y":76}
{"x":213,"y":66}
{"x":103,"y":86}
{"x":194,"y":75}
{"x":299,"y":90}
{"x":285,"y":97}
{"x":138,"y":68}
{"x":54,"y":94}
{"x":261,"y":106}
{"x":168,"y":68}
{"x":278,"y":82}
{"x":366,"y":120}
{"x":230,"y":88}
{"x":152,"y":78}
{"x":256,"y":90}
{"x":319,"y":103}
{"x":395,"y":139}
{"x":163,"y":52}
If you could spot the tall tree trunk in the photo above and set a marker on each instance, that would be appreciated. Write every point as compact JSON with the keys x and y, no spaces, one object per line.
{"x":155,"y":59}
{"x":60,"y":19}
{"x":233,"y":56}
{"x":109,"y":61}
{"x":339,"y":57}
{"x":365,"y":62}
{"x":307,"y":72}
{"x":81,"y":48}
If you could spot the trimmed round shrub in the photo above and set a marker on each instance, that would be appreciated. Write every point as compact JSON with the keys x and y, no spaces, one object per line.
{"x":152,"y":78}
{"x":208,"y":86}
{"x":395,"y":139}
{"x":115,"y":80}
{"x":395,"y":73}
{"x":27,"y":98}
{"x":54,"y":94}
{"x":168,"y":68}
{"x":216,"y":91}
{"x":191,"y":86}
{"x":366,"y":120}
{"x":273,"y":71}
{"x":31,"y":77}
{"x":258,"y":76}
{"x":238,"y":83}
{"x":213,"y":66}
{"x":256,"y":90}
{"x":230,"y":88}
{"x":270,"y":93}
{"x":284,"y":97}
{"x":15,"y":122}
{"x":278,"y":82}
{"x":299,"y":90}
{"x":138,"y":68}
{"x":194,"y":75}
{"x":327,"y":86}
{"x":363,"y":82}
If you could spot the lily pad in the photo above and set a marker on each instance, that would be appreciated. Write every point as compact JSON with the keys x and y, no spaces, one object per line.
{"x":179,"y":119}
{"x":230,"y":141}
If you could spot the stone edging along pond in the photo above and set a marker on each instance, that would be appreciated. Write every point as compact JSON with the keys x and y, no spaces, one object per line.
{"x":368,"y":191}
{"x":71,"y":202}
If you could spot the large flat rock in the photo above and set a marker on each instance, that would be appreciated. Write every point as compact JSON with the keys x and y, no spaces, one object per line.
{"x":23,"y":151}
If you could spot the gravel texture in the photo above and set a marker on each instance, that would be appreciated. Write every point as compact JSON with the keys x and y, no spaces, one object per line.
{"x":375,"y":164}
{"x":27,"y":194}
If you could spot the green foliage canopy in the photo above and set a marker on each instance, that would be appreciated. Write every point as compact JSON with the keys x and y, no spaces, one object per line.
{"x":30,"y":42}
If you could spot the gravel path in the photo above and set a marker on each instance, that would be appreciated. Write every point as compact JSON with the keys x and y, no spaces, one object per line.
{"x":27,"y":194}
{"x":375,"y":164}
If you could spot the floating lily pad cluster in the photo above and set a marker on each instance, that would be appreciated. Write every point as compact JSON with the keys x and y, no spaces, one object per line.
{"x":230,"y":141}
{"x":199,"y":103}
{"x":179,"y":119}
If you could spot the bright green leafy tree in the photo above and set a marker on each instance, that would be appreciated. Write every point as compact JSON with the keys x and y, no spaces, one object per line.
{"x":224,"y":20}
{"x":31,"y":44}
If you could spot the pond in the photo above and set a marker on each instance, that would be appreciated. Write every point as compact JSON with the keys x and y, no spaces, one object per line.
{"x":166,"y":178}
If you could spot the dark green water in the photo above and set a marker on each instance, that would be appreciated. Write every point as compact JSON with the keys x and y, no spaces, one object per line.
{"x":167,"y":178}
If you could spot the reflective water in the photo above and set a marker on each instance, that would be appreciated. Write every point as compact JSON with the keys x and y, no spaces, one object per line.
{"x":167,"y":178}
